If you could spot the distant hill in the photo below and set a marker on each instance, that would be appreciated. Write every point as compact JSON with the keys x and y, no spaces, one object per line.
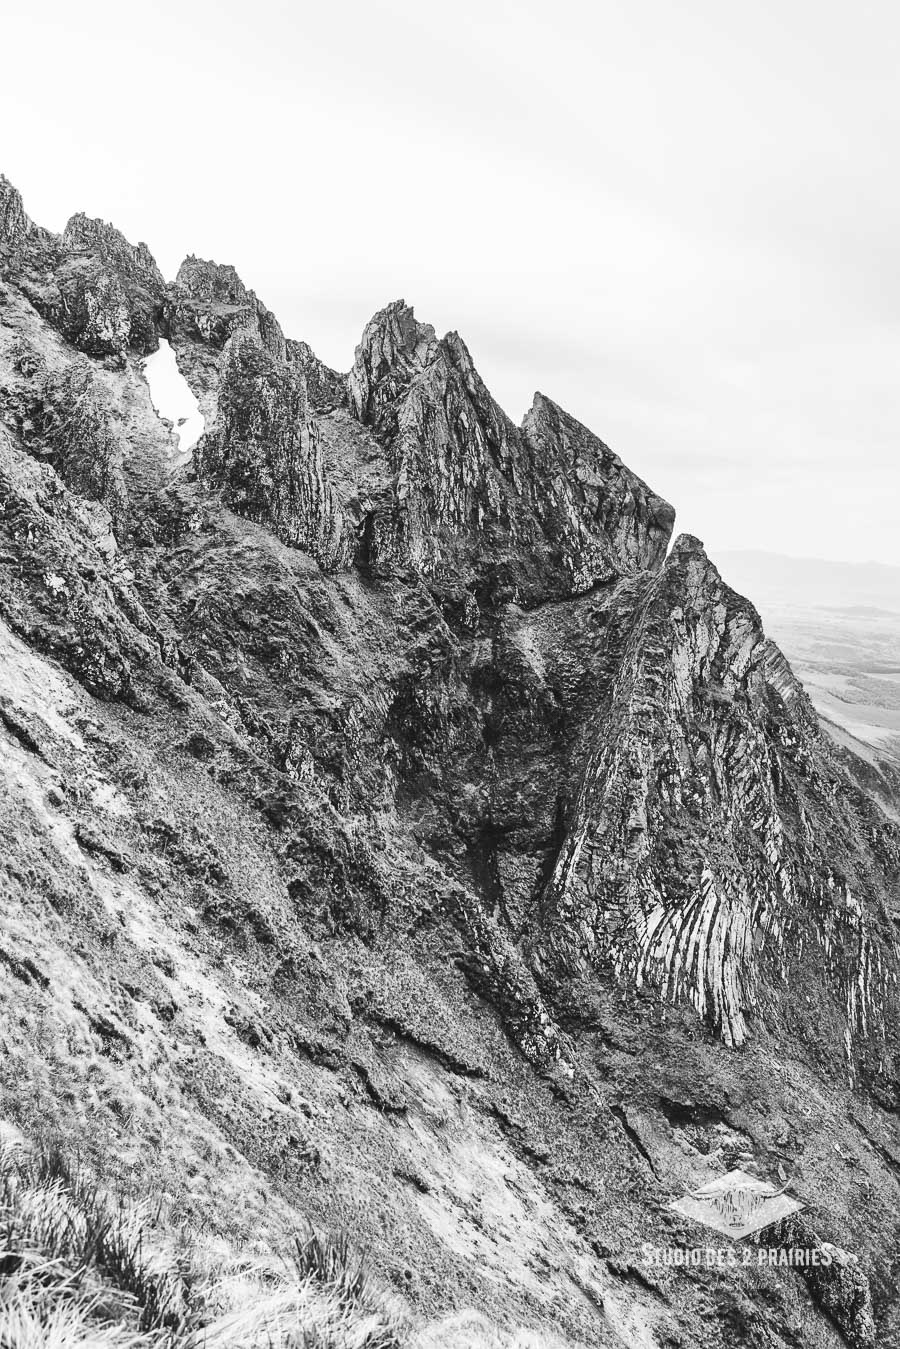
{"x":839,"y":625}
{"x":811,"y":581}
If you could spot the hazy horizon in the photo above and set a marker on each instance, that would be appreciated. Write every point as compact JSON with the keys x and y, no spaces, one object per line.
{"x":825,"y":583}
{"x":678,"y":224}
{"x":864,"y":564}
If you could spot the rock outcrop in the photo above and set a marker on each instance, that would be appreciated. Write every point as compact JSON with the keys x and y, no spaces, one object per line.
{"x":509,"y":514}
{"x":263,"y":452}
{"x":708,"y":846}
{"x":205,"y":306}
{"x":326,"y":388}
{"x":111,"y":291}
{"x":24,"y":246}
{"x":209,"y":302}
{"x":101,"y":292}
{"x":404,"y":838}
{"x":14,"y":224}
{"x":68,"y":424}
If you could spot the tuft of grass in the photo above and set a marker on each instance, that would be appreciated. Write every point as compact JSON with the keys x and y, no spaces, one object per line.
{"x":334,"y":1262}
{"x":42,"y":1307}
{"x":82,"y":1269}
{"x":53,"y":1216}
{"x":78,"y":1270}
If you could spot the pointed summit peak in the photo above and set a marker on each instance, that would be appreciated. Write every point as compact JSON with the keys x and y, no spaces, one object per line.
{"x":459,"y":354}
{"x":543,"y":410}
{"x":15,"y":227}
{"x":635,"y":520}
{"x":688,"y":545}
{"x":394,"y":347}
{"x":85,"y":234}
{"x":212,"y":281}
{"x":396,"y":328}
{"x":209,"y":302}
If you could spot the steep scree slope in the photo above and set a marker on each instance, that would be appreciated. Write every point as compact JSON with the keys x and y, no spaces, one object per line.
{"x":397,"y":836}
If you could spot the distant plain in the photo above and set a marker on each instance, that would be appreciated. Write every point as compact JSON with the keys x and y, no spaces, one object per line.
{"x":839,"y":625}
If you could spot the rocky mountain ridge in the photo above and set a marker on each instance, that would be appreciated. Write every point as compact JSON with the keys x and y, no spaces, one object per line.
{"x":443,"y":786}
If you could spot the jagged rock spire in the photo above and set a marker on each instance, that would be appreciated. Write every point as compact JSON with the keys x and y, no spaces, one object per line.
{"x":527,"y":513}
{"x":263,"y":452}
{"x":14,"y":223}
{"x":84,"y":235}
{"x":102,"y":293}
{"x":209,"y":302}
{"x":394,"y":348}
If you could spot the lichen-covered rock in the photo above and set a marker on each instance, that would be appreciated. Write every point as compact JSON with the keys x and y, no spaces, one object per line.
{"x":69,"y":426}
{"x":64,"y":417}
{"x":133,"y":262}
{"x":835,"y":1279}
{"x":92,"y":308}
{"x":263,"y":453}
{"x":68,"y":594}
{"x":24,"y":246}
{"x":603,"y":516}
{"x":14,"y":224}
{"x":205,"y":306}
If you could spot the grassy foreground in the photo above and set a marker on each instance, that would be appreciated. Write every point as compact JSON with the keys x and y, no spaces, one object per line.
{"x":82,"y":1269}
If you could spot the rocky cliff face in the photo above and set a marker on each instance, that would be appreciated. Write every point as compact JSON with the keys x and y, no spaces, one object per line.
{"x":518,"y":515}
{"x":263,"y":452}
{"x":403,"y":836}
{"x":101,"y":292}
{"x":711,"y":842}
{"x":22,"y":243}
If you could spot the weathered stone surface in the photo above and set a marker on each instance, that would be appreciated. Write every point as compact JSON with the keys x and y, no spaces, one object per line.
{"x":209,"y":301}
{"x":101,"y":292}
{"x":92,"y":310}
{"x":70,"y":426}
{"x":112,"y":291}
{"x":508,"y":514}
{"x":70,"y":595}
{"x":263,"y":452}
{"x":326,"y":389}
{"x":134,"y":262}
{"x":206,"y":304}
{"x":14,"y":224}
{"x":836,"y":1282}
{"x":604,"y":517}
{"x":704,"y":847}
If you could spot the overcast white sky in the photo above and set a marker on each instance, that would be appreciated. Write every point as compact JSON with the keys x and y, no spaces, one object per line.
{"x":680,"y":221}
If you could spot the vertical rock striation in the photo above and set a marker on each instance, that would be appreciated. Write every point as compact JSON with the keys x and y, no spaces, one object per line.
{"x":511,"y":514}
{"x":25,"y":248}
{"x":263,"y":452}
{"x":706,"y":847}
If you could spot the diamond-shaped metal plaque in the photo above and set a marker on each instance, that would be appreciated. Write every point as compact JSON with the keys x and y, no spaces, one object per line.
{"x":736,"y":1204}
